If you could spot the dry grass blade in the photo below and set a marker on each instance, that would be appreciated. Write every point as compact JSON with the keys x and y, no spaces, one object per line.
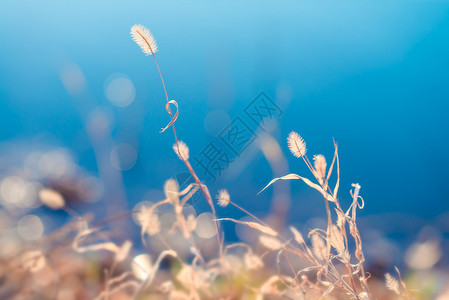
{"x":167,"y":107}
{"x":260,"y":227}
{"x":400,"y":278}
{"x":118,"y":280}
{"x":124,"y":251}
{"x":190,"y":194}
{"x":337,"y":185}
{"x":329,"y":173}
{"x":306,"y":181}
{"x":286,"y":177}
{"x":146,"y":283}
{"x":108,"y":246}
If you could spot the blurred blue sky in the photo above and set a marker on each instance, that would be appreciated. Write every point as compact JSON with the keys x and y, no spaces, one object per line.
{"x":371,"y":74}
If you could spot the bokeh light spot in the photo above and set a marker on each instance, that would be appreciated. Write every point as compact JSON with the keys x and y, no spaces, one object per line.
{"x":119,"y":90}
{"x":30,"y":228}
{"x":123,"y":157}
{"x":205,"y":227}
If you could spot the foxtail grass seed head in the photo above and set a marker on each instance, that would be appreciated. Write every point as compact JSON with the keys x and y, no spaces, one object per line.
{"x":191,"y":223}
{"x":148,"y":220}
{"x":223,"y":198}
{"x":296,"y":144}
{"x":320,"y":165}
{"x":319,"y":247}
{"x":298,"y":236}
{"x":392,"y":283}
{"x":181,"y":150}
{"x":171,"y":190}
{"x":336,"y":239}
{"x":345,"y":256}
{"x":52,"y":199}
{"x":143,"y":37}
{"x":270,"y":242}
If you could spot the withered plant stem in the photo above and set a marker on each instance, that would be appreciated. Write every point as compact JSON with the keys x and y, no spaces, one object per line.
{"x":248,"y":213}
{"x":187,"y":163}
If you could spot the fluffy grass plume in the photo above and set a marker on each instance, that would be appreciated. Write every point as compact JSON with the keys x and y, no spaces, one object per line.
{"x":52,"y":199}
{"x":392,"y":283}
{"x":319,"y":162}
{"x":143,"y":37}
{"x":223,"y":198}
{"x":296,"y":144}
{"x":181,"y":150}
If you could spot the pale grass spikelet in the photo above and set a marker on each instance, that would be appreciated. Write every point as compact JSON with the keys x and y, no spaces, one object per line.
{"x":341,"y":218}
{"x":124,"y":251}
{"x":364,"y":296}
{"x":252,"y":261}
{"x":190,"y":276}
{"x":107,"y":246}
{"x":143,"y":37}
{"x":223,"y":198}
{"x":298,"y":236}
{"x":392,"y":283}
{"x":33,"y":260}
{"x":352,"y":228}
{"x":422,"y":256}
{"x":154,"y":225}
{"x":232,"y":263}
{"x":52,"y":198}
{"x":345,"y":256}
{"x":269,"y":288}
{"x":320,"y":164}
{"x":270,"y":242}
{"x":171,"y":190}
{"x":319,"y":247}
{"x":183,"y":152}
{"x":296,"y":144}
{"x":336,"y":239}
{"x":148,"y":220}
{"x":191,"y":223}
{"x":167,"y":287}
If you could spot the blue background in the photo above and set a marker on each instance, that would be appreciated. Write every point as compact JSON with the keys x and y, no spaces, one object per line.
{"x":372,"y":75}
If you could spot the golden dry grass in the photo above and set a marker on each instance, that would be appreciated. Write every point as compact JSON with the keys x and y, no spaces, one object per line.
{"x":81,"y":261}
